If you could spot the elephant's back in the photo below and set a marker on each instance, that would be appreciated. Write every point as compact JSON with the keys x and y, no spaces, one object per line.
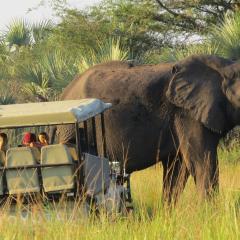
{"x":132,"y":127}
{"x":114,"y":81}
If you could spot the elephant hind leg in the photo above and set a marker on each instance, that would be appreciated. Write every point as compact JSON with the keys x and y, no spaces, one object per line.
{"x":175,"y":176}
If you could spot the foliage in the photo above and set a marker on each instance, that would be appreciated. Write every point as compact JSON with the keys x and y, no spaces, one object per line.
{"x":41,"y":30}
{"x":155,"y":22}
{"x":110,"y":50}
{"x":193,"y":15}
{"x":48,"y":75}
{"x":190,"y":219}
{"x":42,"y":58}
{"x":77,"y":34}
{"x":6,"y":99}
{"x":223,"y":41}
{"x":18,"y":34}
{"x":172,"y":55}
{"x":132,"y":22}
{"x":227,"y":35}
{"x":164,"y":22}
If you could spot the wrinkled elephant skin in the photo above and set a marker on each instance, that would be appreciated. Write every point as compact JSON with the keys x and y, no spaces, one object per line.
{"x":173,"y":113}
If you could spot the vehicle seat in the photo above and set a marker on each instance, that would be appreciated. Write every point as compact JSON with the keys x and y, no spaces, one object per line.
{"x":97,"y":173}
{"x":21,"y":180}
{"x":2,"y":158}
{"x":57,"y":178}
{"x":73,"y":152}
{"x":2,"y":163}
{"x":36,"y":154}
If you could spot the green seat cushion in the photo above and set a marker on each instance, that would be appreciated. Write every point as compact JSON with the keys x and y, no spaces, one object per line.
{"x":57,"y":178}
{"x":21,"y":180}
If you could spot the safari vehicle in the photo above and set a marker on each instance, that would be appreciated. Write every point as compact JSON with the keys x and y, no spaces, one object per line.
{"x":59,"y":169}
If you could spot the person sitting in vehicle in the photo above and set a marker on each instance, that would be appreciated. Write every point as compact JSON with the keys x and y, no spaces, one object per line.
{"x":43,"y":138}
{"x":30,"y":140}
{"x":3,"y":142}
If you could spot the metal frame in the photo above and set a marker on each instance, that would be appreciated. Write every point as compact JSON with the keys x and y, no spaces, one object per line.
{"x":80,"y":175}
{"x":94,"y":134}
{"x":104,"y":146}
{"x":85,"y":129}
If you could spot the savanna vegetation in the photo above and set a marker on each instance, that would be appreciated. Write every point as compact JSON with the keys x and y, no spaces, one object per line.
{"x":37,"y":60}
{"x":190,"y":219}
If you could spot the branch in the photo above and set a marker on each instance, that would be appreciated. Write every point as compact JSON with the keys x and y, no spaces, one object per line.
{"x":167,"y":9}
{"x":183,"y":25}
{"x":182,"y":16}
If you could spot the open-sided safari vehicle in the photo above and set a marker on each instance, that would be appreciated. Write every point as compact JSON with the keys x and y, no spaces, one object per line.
{"x":61,"y":169}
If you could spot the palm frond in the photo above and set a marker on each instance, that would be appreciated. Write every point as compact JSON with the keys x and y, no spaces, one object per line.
{"x":51,"y":71}
{"x":18,"y":33}
{"x":6,"y":99}
{"x":110,"y":50}
{"x":227,"y":35}
{"x":41,"y":30}
{"x":172,"y":55}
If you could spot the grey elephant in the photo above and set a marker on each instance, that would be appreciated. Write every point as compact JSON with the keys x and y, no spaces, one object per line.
{"x":173,"y":113}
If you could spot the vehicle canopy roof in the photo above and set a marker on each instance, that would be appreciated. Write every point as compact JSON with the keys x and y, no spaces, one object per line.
{"x":50,"y":113}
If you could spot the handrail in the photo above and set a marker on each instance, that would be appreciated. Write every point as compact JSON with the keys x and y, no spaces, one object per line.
{"x":37,"y":166}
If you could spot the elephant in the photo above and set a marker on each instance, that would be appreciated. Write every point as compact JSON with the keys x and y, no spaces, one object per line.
{"x":173,"y":113}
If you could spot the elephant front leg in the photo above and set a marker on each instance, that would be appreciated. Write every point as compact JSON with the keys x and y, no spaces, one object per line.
{"x":175,"y":175}
{"x":198,"y":146}
{"x":206,"y":175}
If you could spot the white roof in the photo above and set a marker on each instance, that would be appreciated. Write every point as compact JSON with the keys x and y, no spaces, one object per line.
{"x":48,"y":113}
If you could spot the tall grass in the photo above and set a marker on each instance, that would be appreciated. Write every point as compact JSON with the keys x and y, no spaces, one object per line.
{"x":190,"y":219}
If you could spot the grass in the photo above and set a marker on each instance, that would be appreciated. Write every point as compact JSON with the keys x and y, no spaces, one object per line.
{"x":191,"y":219}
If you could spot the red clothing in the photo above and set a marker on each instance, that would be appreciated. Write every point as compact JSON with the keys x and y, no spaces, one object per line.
{"x":29,"y":139}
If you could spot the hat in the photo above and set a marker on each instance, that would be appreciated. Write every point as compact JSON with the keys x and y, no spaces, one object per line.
{"x":28,"y":138}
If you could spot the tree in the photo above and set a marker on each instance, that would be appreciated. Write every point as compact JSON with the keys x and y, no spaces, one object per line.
{"x":194,"y":15}
{"x":223,"y":41}
{"x":81,"y":31}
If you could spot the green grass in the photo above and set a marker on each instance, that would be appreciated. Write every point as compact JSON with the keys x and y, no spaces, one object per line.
{"x":191,"y":219}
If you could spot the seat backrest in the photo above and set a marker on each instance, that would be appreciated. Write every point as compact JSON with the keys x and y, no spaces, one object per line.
{"x":57,"y":178}
{"x":21,"y":180}
{"x":97,"y":173}
{"x":36,"y":154}
{"x":2,"y":158}
{"x":73,"y":152}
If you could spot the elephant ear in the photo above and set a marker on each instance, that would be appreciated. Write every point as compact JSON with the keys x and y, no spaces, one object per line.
{"x":196,"y":88}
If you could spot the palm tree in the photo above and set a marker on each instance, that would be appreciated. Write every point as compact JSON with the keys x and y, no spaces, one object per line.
{"x":20,"y":33}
